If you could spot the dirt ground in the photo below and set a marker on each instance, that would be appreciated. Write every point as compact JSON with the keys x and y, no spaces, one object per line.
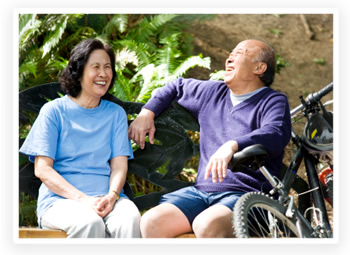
{"x":310,"y":57}
{"x":311,"y":60}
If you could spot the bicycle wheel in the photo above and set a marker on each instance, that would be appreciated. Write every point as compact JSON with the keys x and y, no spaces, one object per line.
{"x":257,"y":215}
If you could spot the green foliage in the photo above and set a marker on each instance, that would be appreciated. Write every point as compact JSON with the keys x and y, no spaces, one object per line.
{"x":42,"y":43}
{"x":277,"y":32}
{"x":150,"y":49}
{"x":152,"y":53}
{"x":27,"y":210}
{"x":280,"y":63}
{"x":217,"y":75}
{"x":156,"y":76}
{"x":319,"y":61}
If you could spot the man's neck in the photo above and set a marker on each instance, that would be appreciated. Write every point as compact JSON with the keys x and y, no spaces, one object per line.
{"x":242,"y":89}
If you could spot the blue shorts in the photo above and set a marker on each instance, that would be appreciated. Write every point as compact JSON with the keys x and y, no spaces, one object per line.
{"x":192,"y":201}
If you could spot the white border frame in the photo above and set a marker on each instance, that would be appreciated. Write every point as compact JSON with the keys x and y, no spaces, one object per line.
{"x":176,"y":10}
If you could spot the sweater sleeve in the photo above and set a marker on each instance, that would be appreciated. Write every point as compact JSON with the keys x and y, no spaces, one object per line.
{"x":189,"y":93}
{"x":275,"y":127}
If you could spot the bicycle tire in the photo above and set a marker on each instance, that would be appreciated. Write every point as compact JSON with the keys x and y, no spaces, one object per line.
{"x":251,"y":216}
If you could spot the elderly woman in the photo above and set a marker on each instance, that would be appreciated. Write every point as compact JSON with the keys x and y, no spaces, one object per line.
{"x":79,"y":145}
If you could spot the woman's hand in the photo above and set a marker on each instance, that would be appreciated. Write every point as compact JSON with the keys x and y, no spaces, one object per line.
{"x":104,"y":205}
{"x":219,"y":161}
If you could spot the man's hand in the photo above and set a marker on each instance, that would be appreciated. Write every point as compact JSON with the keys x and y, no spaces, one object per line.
{"x":219,"y":161}
{"x":142,"y":125}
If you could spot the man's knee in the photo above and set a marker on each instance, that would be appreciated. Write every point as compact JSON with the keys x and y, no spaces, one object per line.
{"x":208,"y":225}
{"x":201,"y":227}
{"x":149,"y":223}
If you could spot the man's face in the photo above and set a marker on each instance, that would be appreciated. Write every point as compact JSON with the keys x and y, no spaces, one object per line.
{"x":241,"y":64}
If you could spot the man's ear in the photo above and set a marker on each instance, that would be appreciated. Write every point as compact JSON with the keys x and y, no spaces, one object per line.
{"x":260,"y":68}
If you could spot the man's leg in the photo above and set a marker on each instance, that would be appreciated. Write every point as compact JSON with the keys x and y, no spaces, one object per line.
{"x":164,"y":220}
{"x":216,"y":221}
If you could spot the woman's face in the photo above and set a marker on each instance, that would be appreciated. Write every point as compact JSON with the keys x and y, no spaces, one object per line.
{"x":97,"y":75}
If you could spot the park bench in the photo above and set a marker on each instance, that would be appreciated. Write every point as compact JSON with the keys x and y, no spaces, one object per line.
{"x":171,"y":152}
{"x":173,"y":149}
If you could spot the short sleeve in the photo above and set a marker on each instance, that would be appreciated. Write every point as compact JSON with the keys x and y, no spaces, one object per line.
{"x":121,"y":145}
{"x":42,"y":138}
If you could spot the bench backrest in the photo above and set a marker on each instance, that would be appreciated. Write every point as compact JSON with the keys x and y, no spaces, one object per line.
{"x":173,"y":150}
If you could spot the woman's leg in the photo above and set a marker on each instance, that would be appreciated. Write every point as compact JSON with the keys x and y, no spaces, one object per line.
{"x":75,"y":218}
{"x":124,"y":220}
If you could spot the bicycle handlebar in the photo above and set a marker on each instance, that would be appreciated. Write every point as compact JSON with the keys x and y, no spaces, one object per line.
{"x":313,"y":98}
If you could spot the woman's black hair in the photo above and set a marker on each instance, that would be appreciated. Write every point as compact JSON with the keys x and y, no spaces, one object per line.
{"x":72,"y":74}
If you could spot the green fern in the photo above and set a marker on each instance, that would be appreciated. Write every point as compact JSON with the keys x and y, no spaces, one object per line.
{"x":190,"y":63}
{"x":157,"y":76}
{"x":118,"y":23}
{"x":53,"y":37}
{"x":29,"y":30}
{"x":149,"y":27}
{"x":217,"y":75}
{"x":121,"y":87}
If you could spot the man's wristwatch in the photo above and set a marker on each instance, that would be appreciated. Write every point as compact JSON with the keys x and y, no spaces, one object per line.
{"x":116,"y":193}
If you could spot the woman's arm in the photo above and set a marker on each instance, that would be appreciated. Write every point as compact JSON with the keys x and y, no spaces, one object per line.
{"x":119,"y":169}
{"x":43,"y":167}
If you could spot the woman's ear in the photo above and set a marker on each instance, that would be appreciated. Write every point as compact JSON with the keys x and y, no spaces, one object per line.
{"x":260,"y":68}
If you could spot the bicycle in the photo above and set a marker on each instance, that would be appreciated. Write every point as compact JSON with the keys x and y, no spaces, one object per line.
{"x":260,"y":215}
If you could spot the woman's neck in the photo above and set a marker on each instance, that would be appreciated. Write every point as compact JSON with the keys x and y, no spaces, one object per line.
{"x":86,"y":102}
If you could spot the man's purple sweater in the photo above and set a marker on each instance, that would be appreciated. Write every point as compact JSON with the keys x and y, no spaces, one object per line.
{"x":261,"y":119}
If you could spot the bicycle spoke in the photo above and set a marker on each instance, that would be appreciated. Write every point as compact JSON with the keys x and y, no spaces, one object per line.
{"x":265,"y":224}
{"x":251,"y":225}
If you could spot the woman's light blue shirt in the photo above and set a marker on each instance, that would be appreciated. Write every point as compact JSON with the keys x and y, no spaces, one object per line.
{"x":81,"y":142}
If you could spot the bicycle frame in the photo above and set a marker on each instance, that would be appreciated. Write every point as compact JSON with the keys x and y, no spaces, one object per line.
{"x":314,"y":146}
{"x":323,"y":229}
{"x":283,"y":187}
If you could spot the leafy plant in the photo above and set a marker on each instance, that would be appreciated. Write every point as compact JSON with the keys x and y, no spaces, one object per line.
{"x":280,"y":63}
{"x":277,"y":32}
{"x":27,"y":210}
{"x":43,"y":40}
{"x":151,"y":54}
{"x":319,"y":61}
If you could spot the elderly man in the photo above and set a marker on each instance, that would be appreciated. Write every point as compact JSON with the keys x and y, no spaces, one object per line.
{"x":233,"y":114}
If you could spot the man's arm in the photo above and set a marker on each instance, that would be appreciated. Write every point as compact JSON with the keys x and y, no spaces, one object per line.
{"x":218,"y":162}
{"x":189,"y":93}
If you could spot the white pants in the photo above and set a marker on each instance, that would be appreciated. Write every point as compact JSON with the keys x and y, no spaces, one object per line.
{"x":80,"y":221}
